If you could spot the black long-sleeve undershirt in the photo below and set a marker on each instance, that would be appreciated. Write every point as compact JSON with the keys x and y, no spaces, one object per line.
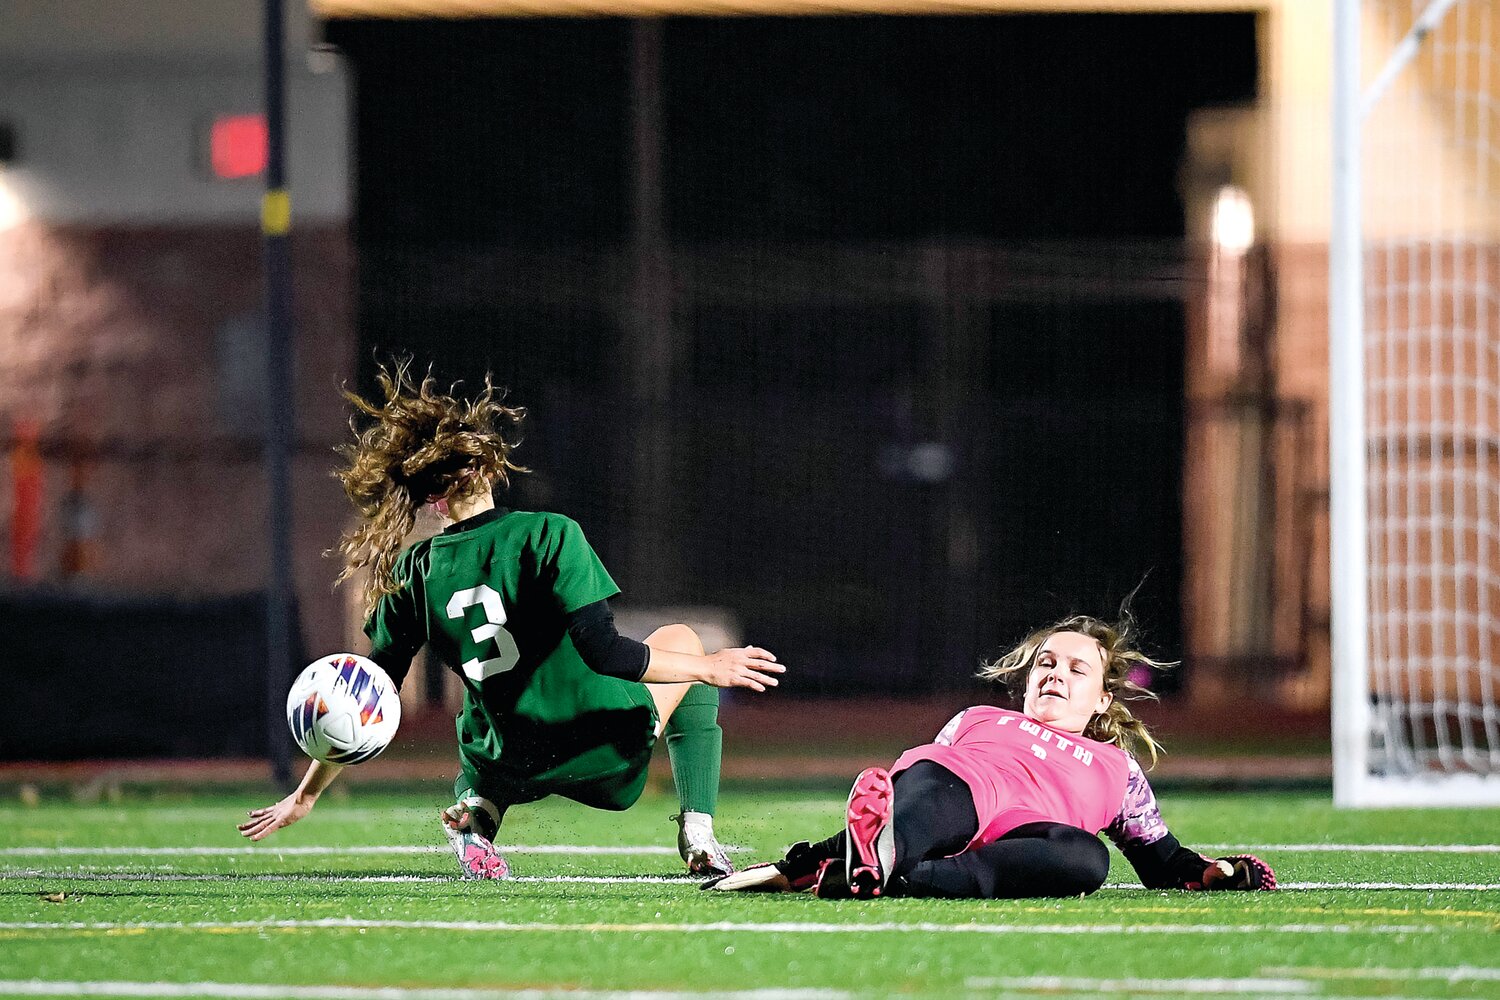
{"x":602,"y":647}
{"x":1166,"y":864}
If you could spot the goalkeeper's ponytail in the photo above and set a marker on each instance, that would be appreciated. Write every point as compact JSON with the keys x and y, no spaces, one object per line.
{"x":1115,"y":724}
{"x":421,"y":446}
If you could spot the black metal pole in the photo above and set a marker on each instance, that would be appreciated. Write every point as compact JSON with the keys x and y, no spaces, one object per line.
{"x":276,"y":224}
{"x":650,"y":342}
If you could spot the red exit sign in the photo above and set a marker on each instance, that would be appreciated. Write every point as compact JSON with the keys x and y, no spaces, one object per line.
{"x":238,"y":146}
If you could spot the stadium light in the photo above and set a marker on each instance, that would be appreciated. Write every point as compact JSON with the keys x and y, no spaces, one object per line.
{"x":12,"y":210}
{"x":1232,"y":229}
{"x":1233,"y":220}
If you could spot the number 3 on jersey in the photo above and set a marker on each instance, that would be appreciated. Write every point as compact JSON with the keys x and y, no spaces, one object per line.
{"x":493,"y":629}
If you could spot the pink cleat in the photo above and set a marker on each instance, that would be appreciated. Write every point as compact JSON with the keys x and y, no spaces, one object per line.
{"x":871,"y":852}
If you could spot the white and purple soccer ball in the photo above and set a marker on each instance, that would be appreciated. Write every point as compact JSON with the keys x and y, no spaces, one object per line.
{"x":343,"y":709}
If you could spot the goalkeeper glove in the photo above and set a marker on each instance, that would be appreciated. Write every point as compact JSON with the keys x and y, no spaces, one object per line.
{"x":1239,"y":871}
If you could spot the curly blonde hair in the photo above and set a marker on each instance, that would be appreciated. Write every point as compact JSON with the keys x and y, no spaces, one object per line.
{"x":1115,"y":724}
{"x":422,"y":446}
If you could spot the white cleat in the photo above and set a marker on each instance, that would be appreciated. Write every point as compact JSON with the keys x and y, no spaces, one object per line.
{"x":477,"y":857}
{"x":700,"y":849}
{"x":462,"y":825}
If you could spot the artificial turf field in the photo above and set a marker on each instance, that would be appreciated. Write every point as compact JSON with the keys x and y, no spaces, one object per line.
{"x":158,"y":896}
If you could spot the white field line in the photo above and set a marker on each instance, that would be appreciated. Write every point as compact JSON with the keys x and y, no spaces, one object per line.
{"x":119,"y":876}
{"x":718,"y":927}
{"x":269,"y":852}
{"x":1448,"y":974}
{"x":1412,"y":886}
{"x":583,"y":849}
{"x":1356,"y":848}
{"x":1093,"y":995}
{"x":1296,"y":886}
{"x":1052,"y":984}
{"x":82,"y":873}
{"x":1059,"y":987}
{"x":268,"y":991}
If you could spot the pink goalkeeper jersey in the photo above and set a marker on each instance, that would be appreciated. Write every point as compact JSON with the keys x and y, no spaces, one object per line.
{"x":1020,"y":771}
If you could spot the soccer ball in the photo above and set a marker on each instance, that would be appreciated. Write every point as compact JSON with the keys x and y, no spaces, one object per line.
{"x":343,"y":709}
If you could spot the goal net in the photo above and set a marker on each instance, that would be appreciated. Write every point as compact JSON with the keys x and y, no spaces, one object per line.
{"x":1417,"y":667}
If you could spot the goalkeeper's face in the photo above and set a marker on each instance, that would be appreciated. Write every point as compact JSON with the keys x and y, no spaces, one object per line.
{"x":1065,"y":688}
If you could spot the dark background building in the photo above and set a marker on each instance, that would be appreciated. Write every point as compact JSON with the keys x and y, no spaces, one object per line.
{"x":920,"y":386}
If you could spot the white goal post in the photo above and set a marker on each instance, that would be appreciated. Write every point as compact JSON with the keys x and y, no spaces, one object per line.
{"x":1414,"y":415}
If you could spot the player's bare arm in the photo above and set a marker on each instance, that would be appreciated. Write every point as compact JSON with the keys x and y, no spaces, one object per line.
{"x":267,"y":820}
{"x":745,"y":667}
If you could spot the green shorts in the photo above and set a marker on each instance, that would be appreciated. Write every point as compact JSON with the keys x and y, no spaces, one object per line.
{"x":615,"y":789}
{"x":615,"y":792}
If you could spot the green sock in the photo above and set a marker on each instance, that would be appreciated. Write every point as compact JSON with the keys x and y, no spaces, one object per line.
{"x":695,"y":744}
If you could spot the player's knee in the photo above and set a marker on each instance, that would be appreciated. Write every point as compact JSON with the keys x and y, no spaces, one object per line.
{"x":1087,"y":863}
{"x":677,"y":639}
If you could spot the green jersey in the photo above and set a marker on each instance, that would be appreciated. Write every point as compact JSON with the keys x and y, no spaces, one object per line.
{"x":491,"y":595}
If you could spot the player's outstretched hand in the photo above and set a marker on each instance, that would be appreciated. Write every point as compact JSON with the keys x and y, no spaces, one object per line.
{"x":744,"y":667}
{"x":264,"y":822}
{"x":1239,"y":871}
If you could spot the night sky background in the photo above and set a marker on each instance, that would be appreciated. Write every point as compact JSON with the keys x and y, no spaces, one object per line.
{"x":482,"y":141}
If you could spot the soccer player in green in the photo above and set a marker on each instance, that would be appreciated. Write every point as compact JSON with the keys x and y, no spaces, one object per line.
{"x":556,"y":701}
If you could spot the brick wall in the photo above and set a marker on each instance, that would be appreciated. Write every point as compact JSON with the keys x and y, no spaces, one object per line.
{"x":134,"y":353}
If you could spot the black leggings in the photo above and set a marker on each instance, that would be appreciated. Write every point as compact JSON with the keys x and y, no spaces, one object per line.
{"x":933,"y":818}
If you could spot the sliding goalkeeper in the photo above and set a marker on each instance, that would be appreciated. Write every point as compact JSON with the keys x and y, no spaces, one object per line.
{"x":1006,"y":804}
